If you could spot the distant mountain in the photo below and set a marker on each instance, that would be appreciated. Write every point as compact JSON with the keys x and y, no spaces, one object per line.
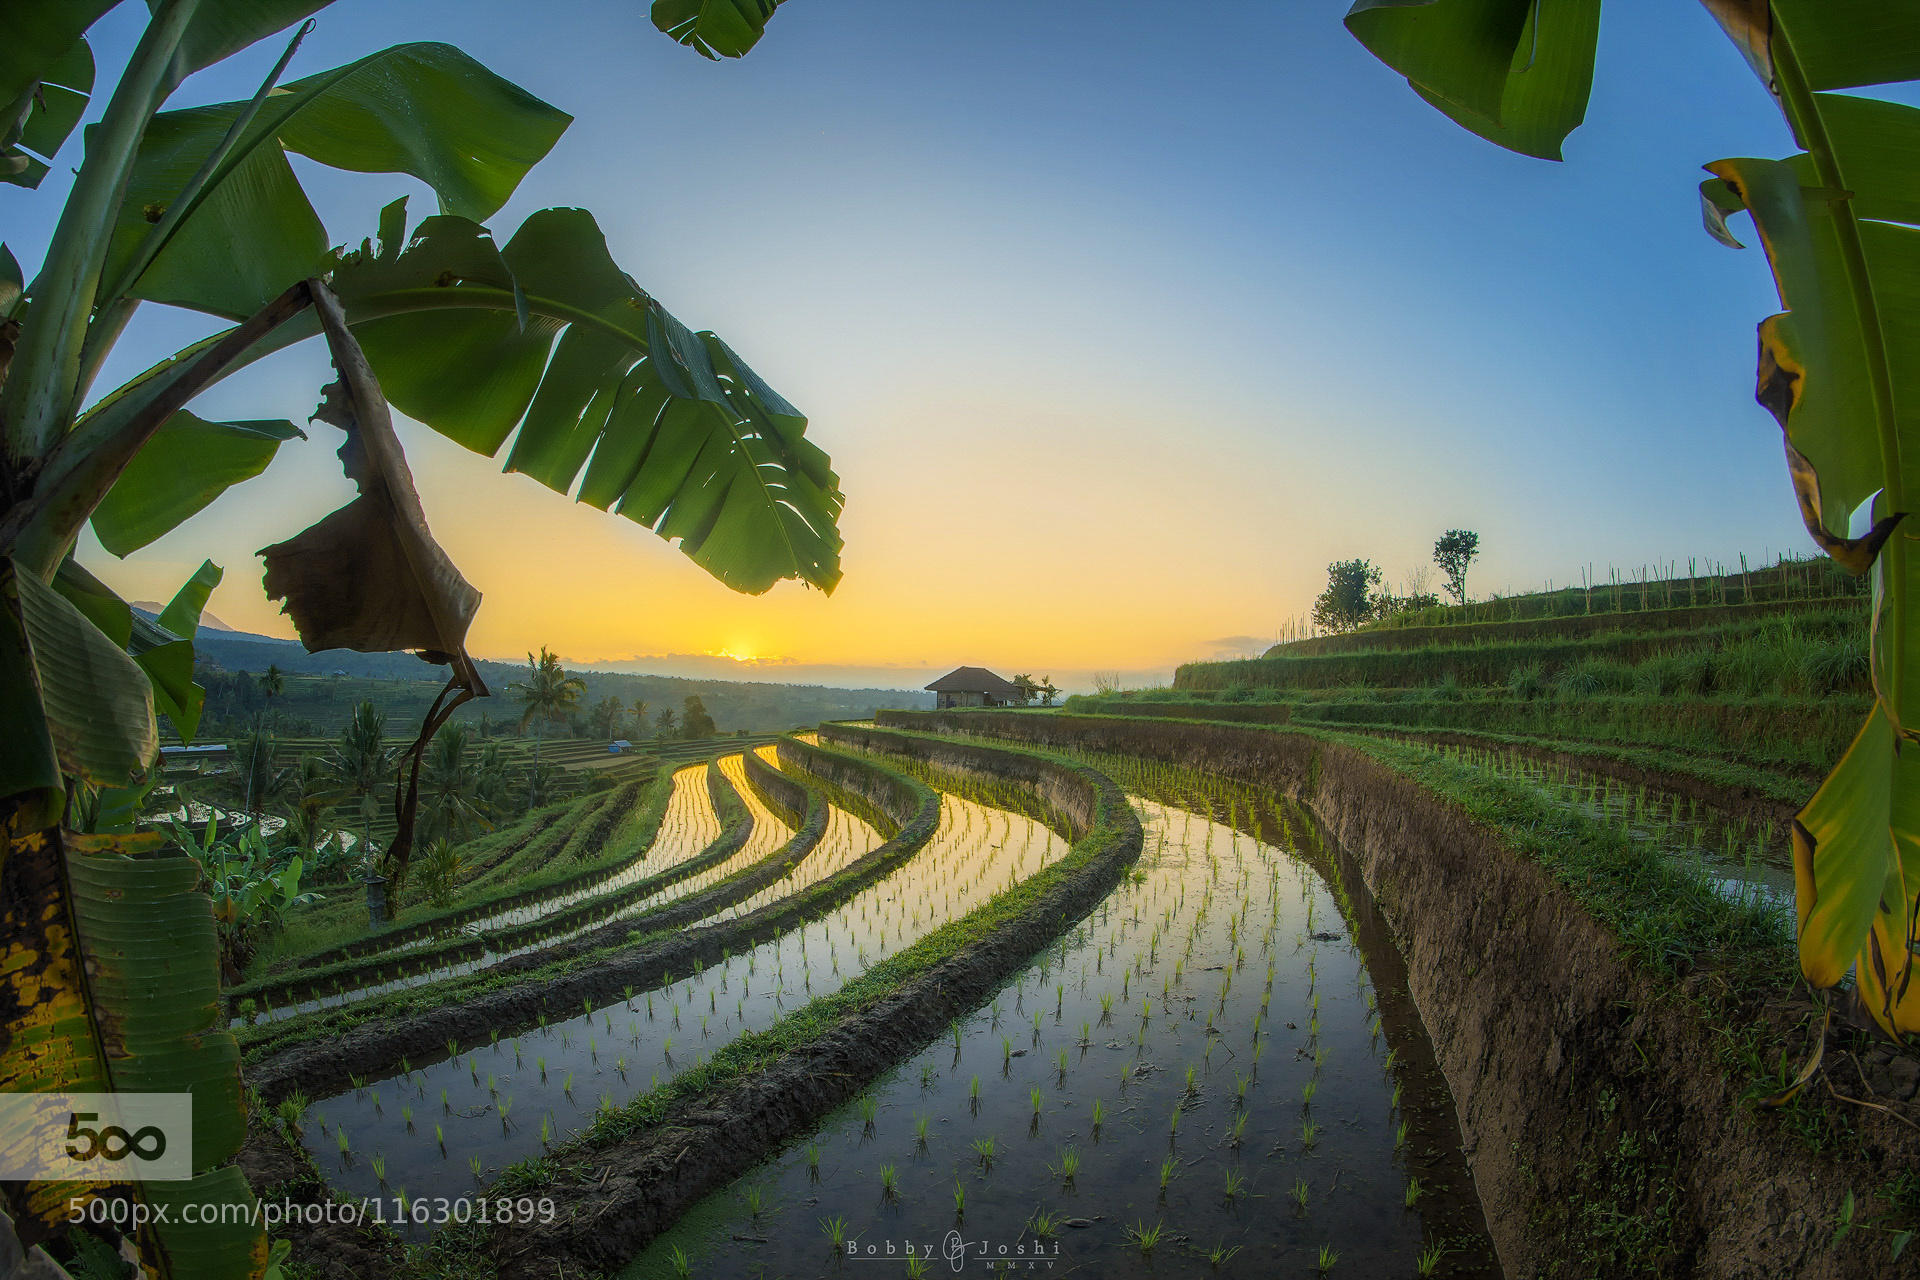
{"x":152,"y":609}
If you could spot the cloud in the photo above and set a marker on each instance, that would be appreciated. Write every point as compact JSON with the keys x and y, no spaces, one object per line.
{"x":1237,"y":647}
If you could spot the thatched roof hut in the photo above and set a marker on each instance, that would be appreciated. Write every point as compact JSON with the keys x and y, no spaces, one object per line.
{"x":975,"y":687}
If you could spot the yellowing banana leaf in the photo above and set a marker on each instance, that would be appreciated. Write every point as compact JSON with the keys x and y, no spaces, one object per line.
{"x":715,"y":28}
{"x":145,"y":1017}
{"x":1856,"y":849}
{"x":1841,"y":847}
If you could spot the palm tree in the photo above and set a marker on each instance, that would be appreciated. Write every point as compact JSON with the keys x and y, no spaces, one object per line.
{"x":254,"y":754}
{"x":305,"y":794}
{"x":605,"y":716}
{"x":272,"y":684}
{"x":453,"y":808}
{"x":547,"y":695}
{"x":363,"y":763}
{"x":1048,"y":691}
{"x":1027,"y":686}
{"x":665,"y":722}
{"x":490,"y":781}
{"x":639,"y":717}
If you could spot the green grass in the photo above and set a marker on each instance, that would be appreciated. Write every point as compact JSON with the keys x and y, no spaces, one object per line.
{"x":1808,"y":653}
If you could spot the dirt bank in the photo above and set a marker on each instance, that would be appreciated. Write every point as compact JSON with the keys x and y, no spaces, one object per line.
{"x":1596,"y":1100}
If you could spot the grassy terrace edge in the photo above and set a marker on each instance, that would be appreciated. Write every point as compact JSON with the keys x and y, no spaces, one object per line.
{"x":651,"y":797}
{"x":763,"y":1088}
{"x":736,"y":828}
{"x":322,"y":1052}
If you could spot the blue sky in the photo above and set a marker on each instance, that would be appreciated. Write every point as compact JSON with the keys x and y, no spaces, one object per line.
{"x":1118,"y":331}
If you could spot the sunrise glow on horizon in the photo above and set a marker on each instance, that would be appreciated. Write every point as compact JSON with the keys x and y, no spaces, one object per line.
{"x":1114,"y":342}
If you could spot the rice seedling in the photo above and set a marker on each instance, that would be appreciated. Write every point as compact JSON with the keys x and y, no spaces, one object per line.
{"x":959,"y":1200}
{"x":1299,"y":1193}
{"x":681,"y":1264}
{"x":1099,"y":1115}
{"x":1400,"y":1134}
{"x":1144,"y":1238}
{"x":340,"y":1134}
{"x":889,"y":1182}
{"x":1429,"y":1260}
{"x":476,"y":1168}
{"x":1168,"y":1168}
{"x":1307,"y":1091}
{"x":1035,"y":1096}
{"x":813,"y":1161}
{"x":1309,"y":1134}
{"x":1069,"y":1167}
{"x":983,"y":1149}
{"x":1221,"y":1254}
{"x":868,"y":1107}
{"x":754,"y":1199}
{"x":1414,"y":1191}
{"x":1191,"y":1087}
{"x":1237,"y":1132}
{"x":836,"y":1231}
{"x":1328,"y":1256}
{"x":1236,"y":1184}
{"x":379,"y":1164}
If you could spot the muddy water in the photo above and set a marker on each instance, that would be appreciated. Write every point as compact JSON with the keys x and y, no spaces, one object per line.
{"x":1241,"y":1025}
{"x":510,"y":1100}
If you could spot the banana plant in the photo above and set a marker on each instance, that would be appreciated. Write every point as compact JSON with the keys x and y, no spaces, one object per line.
{"x":1839,"y":369}
{"x":109,"y":937}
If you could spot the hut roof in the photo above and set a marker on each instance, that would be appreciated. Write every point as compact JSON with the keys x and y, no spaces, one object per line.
{"x":974,"y":680}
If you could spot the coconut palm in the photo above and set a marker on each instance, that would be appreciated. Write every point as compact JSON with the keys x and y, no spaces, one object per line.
{"x":451,"y":807}
{"x":547,"y":695}
{"x":254,"y":755}
{"x":304,"y":794}
{"x":364,"y":763}
{"x":605,"y":716}
{"x":639,"y":717}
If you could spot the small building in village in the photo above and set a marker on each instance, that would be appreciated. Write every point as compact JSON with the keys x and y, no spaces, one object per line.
{"x":975,"y":687}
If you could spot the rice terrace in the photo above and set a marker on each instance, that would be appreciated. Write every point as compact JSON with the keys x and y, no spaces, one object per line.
{"x":1303,"y":728}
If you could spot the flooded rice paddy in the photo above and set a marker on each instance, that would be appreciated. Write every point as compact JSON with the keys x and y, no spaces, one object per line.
{"x":445,"y":1128}
{"x":1219,"y":1069}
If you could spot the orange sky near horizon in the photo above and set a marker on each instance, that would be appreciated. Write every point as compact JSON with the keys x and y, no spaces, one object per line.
{"x":1113,"y":353}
